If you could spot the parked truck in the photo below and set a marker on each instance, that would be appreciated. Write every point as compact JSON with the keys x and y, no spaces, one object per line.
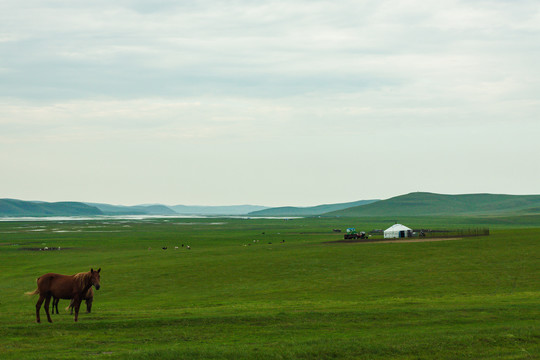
{"x":353,"y":234}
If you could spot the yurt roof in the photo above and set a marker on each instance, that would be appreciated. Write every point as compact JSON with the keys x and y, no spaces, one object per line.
{"x":398,"y":227}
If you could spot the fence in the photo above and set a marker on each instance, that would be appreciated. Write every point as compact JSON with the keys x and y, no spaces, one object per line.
{"x":429,"y":233}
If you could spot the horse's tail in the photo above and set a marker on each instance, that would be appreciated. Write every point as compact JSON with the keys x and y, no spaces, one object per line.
{"x":70,"y":306}
{"x":30,"y":293}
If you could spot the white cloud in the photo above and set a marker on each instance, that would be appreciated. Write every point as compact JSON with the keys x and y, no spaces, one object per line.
{"x":222,"y":79}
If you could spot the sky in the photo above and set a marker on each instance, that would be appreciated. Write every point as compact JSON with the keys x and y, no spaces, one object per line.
{"x":267,"y":102}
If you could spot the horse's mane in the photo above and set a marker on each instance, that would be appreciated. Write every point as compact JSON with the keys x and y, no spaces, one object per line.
{"x":82,"y":279}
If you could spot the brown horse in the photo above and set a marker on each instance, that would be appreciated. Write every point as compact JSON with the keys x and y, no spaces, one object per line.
{"x":64,"y":287}
{"x":88,"y":298}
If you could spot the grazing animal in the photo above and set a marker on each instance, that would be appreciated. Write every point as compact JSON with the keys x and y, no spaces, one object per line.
{"x":88,"y":298}
{"x":64,"y":287}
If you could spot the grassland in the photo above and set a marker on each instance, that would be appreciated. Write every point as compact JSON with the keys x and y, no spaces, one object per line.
{"x":275,"y":289}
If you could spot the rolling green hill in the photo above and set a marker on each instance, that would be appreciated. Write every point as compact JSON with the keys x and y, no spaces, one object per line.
{"x":309,"y":211}
{"x":12,"y":207}
{"x":423,"y":203}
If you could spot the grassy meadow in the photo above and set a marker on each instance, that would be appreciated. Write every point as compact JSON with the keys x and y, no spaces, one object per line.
{"x":275,"y":289}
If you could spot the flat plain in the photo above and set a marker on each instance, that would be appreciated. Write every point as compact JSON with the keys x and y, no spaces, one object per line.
{"x":275,"y":289}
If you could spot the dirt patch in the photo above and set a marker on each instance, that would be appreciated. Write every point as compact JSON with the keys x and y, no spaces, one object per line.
{"x":20,"y":243}
{"x":404,"y":240}
{"x":420,"y":240}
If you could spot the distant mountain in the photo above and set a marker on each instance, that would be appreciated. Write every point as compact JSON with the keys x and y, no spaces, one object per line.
{"x":216,"y":210}
{"x":134,"y":210}
{"x":12,"y":207}
{"x":156,"y":209}
{"x":309,"y":211}
{"x":413,"y":204}
{"x":423,"y":203}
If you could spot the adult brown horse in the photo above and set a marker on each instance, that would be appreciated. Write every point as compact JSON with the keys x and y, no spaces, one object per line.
{"x":88,"y":297}
{"x":64,"y":287}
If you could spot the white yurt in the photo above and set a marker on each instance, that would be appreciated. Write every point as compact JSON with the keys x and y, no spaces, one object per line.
{"x":397,"y":231}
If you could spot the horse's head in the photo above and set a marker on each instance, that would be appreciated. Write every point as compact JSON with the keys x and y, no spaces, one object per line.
{"x":94,"y":278}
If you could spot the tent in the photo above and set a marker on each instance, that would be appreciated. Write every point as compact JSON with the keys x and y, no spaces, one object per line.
{"x":397,"y":231}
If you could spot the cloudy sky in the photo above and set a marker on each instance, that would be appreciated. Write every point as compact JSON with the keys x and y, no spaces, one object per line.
{"x":267,"y":102}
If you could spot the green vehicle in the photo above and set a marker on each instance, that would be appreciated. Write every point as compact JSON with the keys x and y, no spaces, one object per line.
{"x":353,"y":234}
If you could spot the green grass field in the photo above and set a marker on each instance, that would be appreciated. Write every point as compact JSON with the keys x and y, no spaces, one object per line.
{"x":236,"y":296}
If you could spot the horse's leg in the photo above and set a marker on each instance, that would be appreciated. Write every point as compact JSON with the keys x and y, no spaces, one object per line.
{"x":38,"y":306}
{"x":71,"y":307}
{"x":47,"y":301}
{"x":89,"y":305}
{"x":55,"y":302}
{"x":77,"y":306}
